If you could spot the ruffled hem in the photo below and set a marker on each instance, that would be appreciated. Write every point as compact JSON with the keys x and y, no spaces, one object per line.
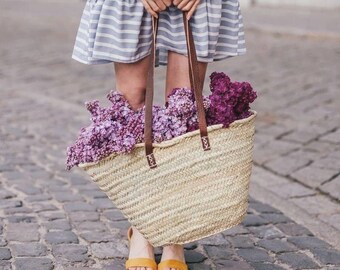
{"x":117,"y":31}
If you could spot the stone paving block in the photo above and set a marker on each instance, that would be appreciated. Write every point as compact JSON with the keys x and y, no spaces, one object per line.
{"x":50,"y":216}
{"x":332,"y":187}
{"x":194,"y":256}
{"x":6,"y":194}
{"x":331,"y":219}
{"x":200,"y":266}
{"x":22,"y":232}
{"x":5,"y":265}
{"x":122,"y":225}
{"x":59,"y":224}
{"x":313,"y":176}
{"x":67,"y":196}
{"x":318,"y":204}
{"x":266,"y":266}
{"x":266,"y":232}
{"x":304,"y":153}
{"x":3,"y":241}
{"x":333,"y":153}
{"x":275,"y":130}
{"x":57,"y":187}
{"x":79,"y":207}
{"x":10,"y":203}
{"x":232,"y":265}
{"x":87,"y":268}
{"x":241,"y":241}
{"x":16,"y":210}
{"x":109,"y":250}
{"x":103,"y":203}
{"x":298,"y":260}
{"x":114,"y":215}
{"x":214,"y":240}
{"x":191,"y":245}
{"x":301,"y":136}
{"x":90,"y":226}
{"x":286,"y":166}
{"x":218,"y":253}
{"x":261,"y":138}
{"x":70,"y":253}
{"x":5,"y":254}
{"x":320,"y":148}
{"x":276,"y":246}
{"x":328,"y":162}
{"x":293,"y":229}
{"x":33,"y":263}
{"x":28,"y":189}
{"x":291,"y":189}
{"x":254,"y":255}
{"x":61,"y":237}
{"x":98,"y":237}
{"x":254,"y":220}
{"x":38,"y":198}
{"x":308,"y":242}
{"x":274,"y":218}
{"x":13,"y":175}
{"x":42,"y":207}
{"x":83,"y":216}
{"x":76,"y":179}
{"x":327,"y":256}
{"x":29,"y":250}
{"x":21,"y":218}
{"x":333,"y":137}
{"x":237,"y":230}
{"x":266,"y":178}
{"x":94,"y":194}
{"x":88,"y":187}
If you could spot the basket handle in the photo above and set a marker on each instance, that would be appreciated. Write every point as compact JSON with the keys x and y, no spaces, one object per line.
{"x":195,"y":84}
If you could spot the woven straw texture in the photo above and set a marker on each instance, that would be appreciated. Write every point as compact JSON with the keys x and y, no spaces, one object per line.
{"x":192,"y":193}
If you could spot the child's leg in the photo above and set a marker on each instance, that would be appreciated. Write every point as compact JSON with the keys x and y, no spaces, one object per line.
{"x":178,"y":72}
{"x":131,"y":80}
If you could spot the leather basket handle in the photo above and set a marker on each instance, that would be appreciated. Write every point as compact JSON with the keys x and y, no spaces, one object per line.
{"x":195,"y":85}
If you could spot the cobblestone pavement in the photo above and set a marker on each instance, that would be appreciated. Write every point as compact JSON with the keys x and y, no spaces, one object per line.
{"x":53,"y":219}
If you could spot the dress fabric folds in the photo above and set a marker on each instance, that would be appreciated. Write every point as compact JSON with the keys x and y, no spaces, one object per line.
{"x":121,"y":31}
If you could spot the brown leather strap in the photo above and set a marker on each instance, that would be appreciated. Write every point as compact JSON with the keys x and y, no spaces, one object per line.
{"x":149,"y":99}
{"x":195,"y":84}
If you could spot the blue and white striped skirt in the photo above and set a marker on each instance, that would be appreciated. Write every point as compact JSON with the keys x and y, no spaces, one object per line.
{"x":121,"y":31}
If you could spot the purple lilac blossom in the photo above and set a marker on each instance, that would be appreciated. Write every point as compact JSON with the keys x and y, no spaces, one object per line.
{"x":118,"y":128}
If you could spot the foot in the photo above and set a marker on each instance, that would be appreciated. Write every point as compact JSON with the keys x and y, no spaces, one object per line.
{"x":140,"y":248}
{"x":173,"y":252}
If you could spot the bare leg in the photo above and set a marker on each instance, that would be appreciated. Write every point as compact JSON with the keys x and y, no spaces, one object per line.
{"x":177,"y":74}
{"x":131,"y":81}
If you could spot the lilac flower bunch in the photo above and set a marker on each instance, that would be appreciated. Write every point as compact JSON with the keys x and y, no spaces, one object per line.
{"x":229,"y":101}
{"x":118,"y":128}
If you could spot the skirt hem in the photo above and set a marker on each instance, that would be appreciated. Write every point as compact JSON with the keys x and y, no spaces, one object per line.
{"x":109,"y":60}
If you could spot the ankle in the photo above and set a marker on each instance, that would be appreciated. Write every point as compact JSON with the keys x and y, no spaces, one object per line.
{"x":173,"y":247}
{"x":138,"y":238}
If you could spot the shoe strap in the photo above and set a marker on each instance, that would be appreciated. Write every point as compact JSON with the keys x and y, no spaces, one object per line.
{"x":172,"y":264}
{"x":140,"y":262}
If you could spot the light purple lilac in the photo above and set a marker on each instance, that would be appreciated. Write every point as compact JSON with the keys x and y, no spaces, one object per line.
{"x":116,"y":129}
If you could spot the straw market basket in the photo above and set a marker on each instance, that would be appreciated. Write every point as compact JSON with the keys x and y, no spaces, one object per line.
{"x":192,"y":193}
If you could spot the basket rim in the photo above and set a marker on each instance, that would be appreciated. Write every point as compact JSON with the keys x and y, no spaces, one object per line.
{"x":175,"y":140}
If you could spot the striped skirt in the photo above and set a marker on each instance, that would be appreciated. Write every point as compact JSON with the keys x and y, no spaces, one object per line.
{"x":121,"y":31}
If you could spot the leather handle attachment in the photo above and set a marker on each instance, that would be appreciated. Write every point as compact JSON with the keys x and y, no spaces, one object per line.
{"x":195,"y":84}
